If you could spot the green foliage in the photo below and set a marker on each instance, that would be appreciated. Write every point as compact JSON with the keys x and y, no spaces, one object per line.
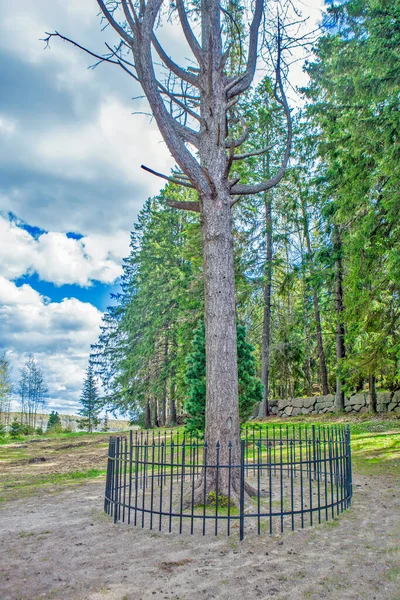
{"x":91,"y":403}
{"x":250,"y":387}
{"x":15,"y":429}
{"x":26,"y":429}
{"x":195,"y":377}
{"x":145,"y":337}
{"x":223,"y":501}
{"x":105,"y":426}
{"x":54,"y":423}
{"x":353,"y":102}
{"x":2,"y":430}
{"x":336,"y":210}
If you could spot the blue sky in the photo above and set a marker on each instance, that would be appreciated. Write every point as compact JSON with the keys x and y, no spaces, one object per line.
{"x":70,"y":184}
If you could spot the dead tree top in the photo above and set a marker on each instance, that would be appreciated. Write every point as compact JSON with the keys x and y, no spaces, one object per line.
{"x":197,"y":108}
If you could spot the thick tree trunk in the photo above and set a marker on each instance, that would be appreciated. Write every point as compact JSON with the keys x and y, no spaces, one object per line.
{"x":266,"y":335}
{"x":147,"y":416}
{"x":340,"y":347}
{"x":172,"y":414}
{"x":372,"y":394}
{"x":222,"y":403}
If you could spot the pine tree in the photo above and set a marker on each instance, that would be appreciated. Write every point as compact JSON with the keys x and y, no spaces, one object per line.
{"x":15,"y":429}
{"x":250,"y":387}
{"x":91,"y":404}
{"x":105,"y":426}
{"x":54,"y":422}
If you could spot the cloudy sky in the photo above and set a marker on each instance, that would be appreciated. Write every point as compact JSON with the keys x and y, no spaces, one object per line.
{"x":70,"y":184}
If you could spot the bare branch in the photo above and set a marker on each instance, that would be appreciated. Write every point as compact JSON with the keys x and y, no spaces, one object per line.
{"x":235,"y":200}
{"x":132,"y":22}
{"x":187,"y":30}
{"x":193,"y":206}
{"x":119,"y":61}
{"x":116,"y":26}
{"x":241,"y":83}
{"x":241,"y":139}
{"x":247,"y":189}
{"x":253,"y":153}
{"x":178,"y":102}
{"x":172,"y":66}
{"x":189,"y":135}
{"x":167,"y":178}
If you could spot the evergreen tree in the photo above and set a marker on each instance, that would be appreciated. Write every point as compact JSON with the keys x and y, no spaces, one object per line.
{"x":105,"y":426}
{"x":15,"y":429}
{"x":91,"y":404}
{"x":54,"y":422}
{"x":250,"y":387}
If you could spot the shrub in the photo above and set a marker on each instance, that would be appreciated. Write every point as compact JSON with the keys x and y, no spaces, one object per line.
{"x":15,"y":429}
{"x":54,"y":424}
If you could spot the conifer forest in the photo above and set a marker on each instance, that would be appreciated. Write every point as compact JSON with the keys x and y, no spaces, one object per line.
{"x":316,"y":257}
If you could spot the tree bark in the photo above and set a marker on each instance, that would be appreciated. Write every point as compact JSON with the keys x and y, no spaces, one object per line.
{"x":317,"y":313}
{"x":266,"y":335}
{"x":163,"y":418}
{"x":147,"y":416}
{"x":172,"y":414}
{"x":156,"y":420}
{"x":340,"y":347}
{"x":222,"y":404}
{"x":372,"y":394}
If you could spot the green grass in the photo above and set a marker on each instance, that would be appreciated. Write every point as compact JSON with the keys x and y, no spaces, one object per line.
{"x":28,"y":486}
{"x":375,"y":440}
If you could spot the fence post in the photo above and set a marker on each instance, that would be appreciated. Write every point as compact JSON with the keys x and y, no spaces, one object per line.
{"x":241,"y":507}
{"x":116,"y":477}
{"x":349,"y":473}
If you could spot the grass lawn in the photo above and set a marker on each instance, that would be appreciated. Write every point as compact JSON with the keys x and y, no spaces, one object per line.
{"x":33,"y":463}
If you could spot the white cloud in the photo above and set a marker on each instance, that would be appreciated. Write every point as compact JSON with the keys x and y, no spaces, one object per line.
{"x":114,"y":143}
{"x":59,"y":259}
{"x":7,"y":127}
{"x":59,"y":334}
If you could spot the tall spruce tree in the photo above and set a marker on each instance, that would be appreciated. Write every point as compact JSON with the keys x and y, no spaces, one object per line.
{"x":91,"y":403}
{"x":250,"y":387}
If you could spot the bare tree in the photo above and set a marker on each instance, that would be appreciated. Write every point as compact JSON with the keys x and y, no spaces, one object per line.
{"x":197,"y":112}
{"x":5,"y":389}
{"x":32,"y":390}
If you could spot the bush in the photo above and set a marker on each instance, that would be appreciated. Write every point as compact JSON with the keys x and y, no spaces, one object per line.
{"x":2,"y":430}
{"x":27,"y":429}
{"x":54,"y":423}
{"x":15,"y":429}
{"x":58,"y":428}
{"x":39,"y":431}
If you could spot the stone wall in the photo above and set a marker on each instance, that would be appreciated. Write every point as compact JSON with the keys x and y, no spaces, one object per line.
{"x":358,"y":403}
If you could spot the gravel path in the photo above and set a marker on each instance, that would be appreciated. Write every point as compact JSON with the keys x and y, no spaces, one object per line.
{"x":62,"y":546}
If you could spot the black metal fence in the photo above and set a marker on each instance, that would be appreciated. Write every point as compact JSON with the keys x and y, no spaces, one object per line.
{"x":286,"y":477}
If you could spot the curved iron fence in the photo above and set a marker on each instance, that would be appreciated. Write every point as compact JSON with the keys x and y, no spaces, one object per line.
{"x":286,"y":477}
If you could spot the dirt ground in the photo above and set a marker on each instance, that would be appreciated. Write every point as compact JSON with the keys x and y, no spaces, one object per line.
{"x":59,"y":544}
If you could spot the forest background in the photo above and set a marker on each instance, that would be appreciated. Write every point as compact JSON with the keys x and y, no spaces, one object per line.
{"x":316,"y":258}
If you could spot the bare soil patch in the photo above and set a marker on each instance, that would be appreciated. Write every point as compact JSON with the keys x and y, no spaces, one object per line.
{"x":25,"y":466}
{"x":61,"y":545}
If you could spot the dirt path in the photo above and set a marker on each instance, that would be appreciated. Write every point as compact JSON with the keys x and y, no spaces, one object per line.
{"x":62,"y":546}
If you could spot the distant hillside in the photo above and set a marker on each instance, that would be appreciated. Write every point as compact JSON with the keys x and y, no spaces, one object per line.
{"x":72,"y":422}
